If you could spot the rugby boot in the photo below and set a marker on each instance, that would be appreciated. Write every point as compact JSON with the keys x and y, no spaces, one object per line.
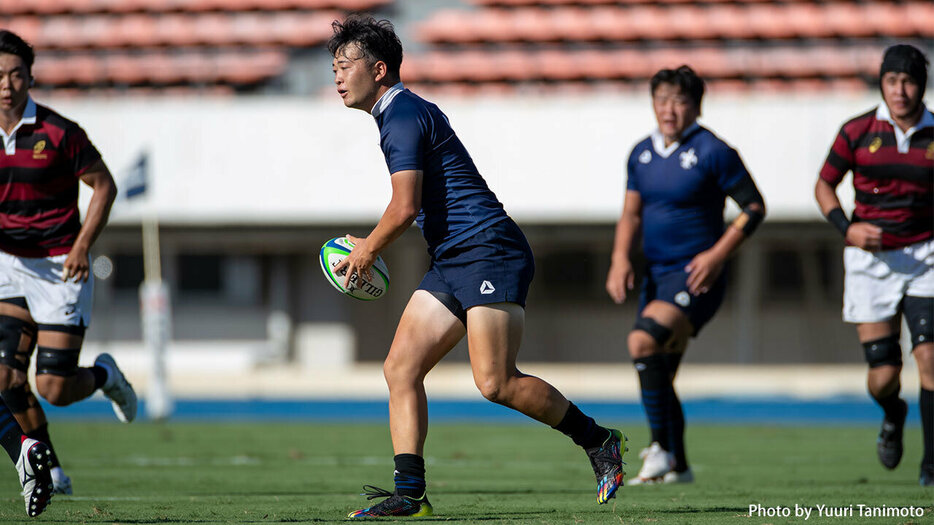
{"x":393,"y":505}
{"x":35,"y":475}
{"x":656,"y":463}
{"x":927,"y":476}
{"x":607,"y":462}
{"x":117,"y":389}
{"x":890,"y":444}
{"x":61,"y":483}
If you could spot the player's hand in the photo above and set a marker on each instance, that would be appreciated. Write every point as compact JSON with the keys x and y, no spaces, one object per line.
{"x":865,"y":235}
{"x":77,"y":265}
{"x":619,"y":279}
{"x":703,"y":271}
{"x":358,"y":262}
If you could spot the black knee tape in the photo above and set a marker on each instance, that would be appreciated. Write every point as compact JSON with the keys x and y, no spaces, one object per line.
{"x":658,"y":332}
{"x":16,"y":399}
{"x":57,"y":362}
{"x":452,"y":304}
{"x":885,"y":351}
{"x":16,"y":301}
{"x":919,"y":315}
{"x":11,"y":332}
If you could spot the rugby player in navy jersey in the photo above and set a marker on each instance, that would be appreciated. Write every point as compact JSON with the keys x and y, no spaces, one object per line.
{"x":678,"y":180}
{"x":889,"y":253}
{"x":45,"y":281}
{"x":476,"y":285}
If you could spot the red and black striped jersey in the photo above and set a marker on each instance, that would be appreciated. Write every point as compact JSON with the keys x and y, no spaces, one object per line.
{"x":39,"y":179}
{"x":894,"y":185}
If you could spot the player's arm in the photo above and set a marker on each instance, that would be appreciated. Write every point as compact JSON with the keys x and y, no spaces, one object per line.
{"x":77,"y":265}
{"x":706,"y":266}
{"x":862,"y":234}
{"x":402,"y":209}
{"x":621,"y":276}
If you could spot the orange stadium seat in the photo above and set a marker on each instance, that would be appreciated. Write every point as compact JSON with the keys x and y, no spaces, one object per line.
{"x":692,"y":23}
{"x":806,"y":20}
{"x":888,"y":20}
{"x":922,"y":14}
{"x":847,"y":20}
{"x":730,"y":22}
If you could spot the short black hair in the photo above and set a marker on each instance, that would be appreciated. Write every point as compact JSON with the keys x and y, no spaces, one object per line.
{"x":376,"y":39}
{"x":685,"y":78}
{"x":12,"y":44}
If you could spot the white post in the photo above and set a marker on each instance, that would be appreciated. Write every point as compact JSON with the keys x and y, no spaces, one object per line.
{"x":155,"y":308}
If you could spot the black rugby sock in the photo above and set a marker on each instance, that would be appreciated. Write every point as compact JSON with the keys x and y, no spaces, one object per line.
{"x":892,"y":405}
{"x":657,"y":394}
{"x":581,"y":428}
{"x":676,"y":433}
{"x":927,"y":425}
{"x":11,"y":435}
{"x":409,"y":476}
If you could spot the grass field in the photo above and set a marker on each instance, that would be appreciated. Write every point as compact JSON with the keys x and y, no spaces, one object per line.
{"x":312,"y":473}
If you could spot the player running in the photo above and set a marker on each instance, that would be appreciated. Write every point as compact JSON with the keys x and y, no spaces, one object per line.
{"x":480,"y":272}
{"x":889,"y":254}
{"x":679,"y":178}
{"x":45,"y":282}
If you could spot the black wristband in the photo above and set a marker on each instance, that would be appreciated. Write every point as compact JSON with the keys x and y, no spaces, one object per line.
{"x":839,"y":220}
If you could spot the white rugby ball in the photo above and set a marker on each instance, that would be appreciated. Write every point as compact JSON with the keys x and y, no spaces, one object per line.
{"x":333,"y":252}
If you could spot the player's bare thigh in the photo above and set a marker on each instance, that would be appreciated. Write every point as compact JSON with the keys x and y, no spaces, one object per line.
{"x":641,"y":344}
{"x":426,"y":333}
{"x":494,"y":335}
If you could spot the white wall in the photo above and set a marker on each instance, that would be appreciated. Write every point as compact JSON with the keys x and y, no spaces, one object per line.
{"x":550,"y":159}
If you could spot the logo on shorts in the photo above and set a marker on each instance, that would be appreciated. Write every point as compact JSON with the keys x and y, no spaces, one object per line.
{"x":683,"y":299}
{"x":37,"y":150}
{"x":688,"y":159}
{"x":645,"y":157}
{"x":875,"y":144}
{"x":69,"y":310}
{"x":486,"y":288}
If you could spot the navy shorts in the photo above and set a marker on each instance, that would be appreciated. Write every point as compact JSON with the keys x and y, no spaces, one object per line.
{"x":668,"y":283}
{"x":494,"y":266}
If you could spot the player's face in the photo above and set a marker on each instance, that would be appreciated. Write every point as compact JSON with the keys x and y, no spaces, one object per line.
{"x":356,"y":79}
{"x":902,"y":94}
{"x":14,"y":82}
{"x":675,"y":111}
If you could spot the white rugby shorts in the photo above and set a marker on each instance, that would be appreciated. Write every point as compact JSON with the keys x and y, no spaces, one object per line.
{"x":39,"y":279}
{"x":876,"y":282}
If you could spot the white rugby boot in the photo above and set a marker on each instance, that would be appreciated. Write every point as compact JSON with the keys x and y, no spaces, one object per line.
{"x":61,"y":483}
{"x":656,"y":462}
{"x":117,"y":389}
{"x":35,"y":475}
{"x":678,"y":477}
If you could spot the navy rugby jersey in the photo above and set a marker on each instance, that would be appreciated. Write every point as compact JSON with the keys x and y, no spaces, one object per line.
{"x":683,"y":189}
{"x":39,"y":173}
{"x":893,"y":174}
{"x":456,"y":201}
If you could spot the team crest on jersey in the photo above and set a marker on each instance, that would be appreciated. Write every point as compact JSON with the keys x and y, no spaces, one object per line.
{"x":683,"y":299}
{"x":645,"y":157}
{"x":875,"y":145}
{"x":929,"y":154}
{"x":688,"y":159}
{"x":38,"y":149}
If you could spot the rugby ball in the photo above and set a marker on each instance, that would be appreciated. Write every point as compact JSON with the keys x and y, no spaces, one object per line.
{"x":333,"y":252}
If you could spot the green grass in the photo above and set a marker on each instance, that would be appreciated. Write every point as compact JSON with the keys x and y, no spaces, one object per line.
{"x":312,"y":473}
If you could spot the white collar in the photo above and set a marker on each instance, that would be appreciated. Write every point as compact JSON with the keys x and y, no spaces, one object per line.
{"x":658,"y":141}
{"x":386,"y":99}
{"x":903,"y":138}
{"x":29,"y":117}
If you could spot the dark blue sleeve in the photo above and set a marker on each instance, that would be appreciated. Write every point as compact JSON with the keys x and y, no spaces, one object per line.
{"x":403,"y":142}
{"x":632,"y":178}
{"x":727,"y":167}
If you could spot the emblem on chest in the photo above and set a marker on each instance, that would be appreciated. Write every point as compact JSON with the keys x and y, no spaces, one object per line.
{"x":688,"y":159}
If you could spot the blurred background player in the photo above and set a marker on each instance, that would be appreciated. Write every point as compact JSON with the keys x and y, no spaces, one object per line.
{"x":481,"y":269}
{"x":889,"y":257}
{"x":45,"y":283}
{"x":678,"y":180}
